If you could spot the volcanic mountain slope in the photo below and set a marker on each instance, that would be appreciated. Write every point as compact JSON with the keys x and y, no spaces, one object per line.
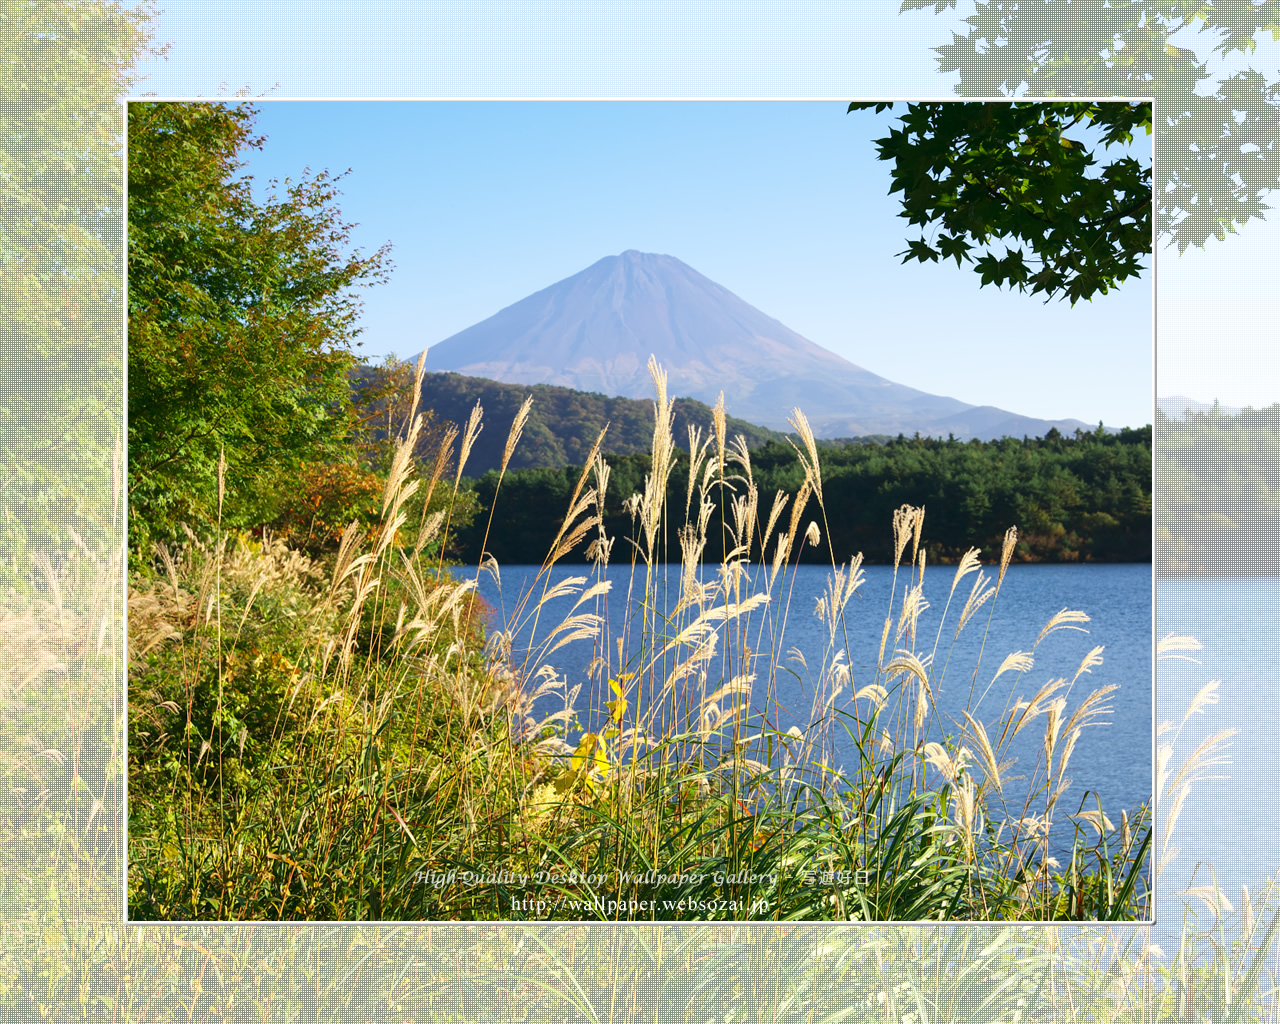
{"x":595,"y":331}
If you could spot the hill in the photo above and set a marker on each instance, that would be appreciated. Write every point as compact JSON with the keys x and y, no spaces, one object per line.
{"x":563,"y":423}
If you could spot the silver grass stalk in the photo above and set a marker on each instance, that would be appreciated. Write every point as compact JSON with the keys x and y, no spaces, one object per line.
{"x":513,"y":436}
{"x":469,"y":435}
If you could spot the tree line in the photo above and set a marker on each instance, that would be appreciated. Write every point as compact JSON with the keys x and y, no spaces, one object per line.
{"x":1085,"y":497}
{"x":1219,"y":487}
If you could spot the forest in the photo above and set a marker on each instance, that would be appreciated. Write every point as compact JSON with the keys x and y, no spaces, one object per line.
{"x":562,"y":422}
{"x":1076,"y":498}
{"x":1219,"y":486}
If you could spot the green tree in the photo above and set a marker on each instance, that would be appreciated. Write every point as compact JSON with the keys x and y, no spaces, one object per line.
{"x":985,"y":172}
{"x":241,"y":319}
{"x":62,"y":68}
{"x":60,"y":250}
{"x":1216,"y":160}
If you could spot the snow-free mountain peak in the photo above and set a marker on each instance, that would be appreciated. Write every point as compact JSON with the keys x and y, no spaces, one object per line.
{"x":594,"y":331}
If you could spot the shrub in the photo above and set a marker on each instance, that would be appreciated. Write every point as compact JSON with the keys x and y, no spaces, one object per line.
{"x":328,"y":498}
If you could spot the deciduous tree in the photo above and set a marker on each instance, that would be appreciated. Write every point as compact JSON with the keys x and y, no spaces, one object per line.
{"x":64,"y":65}
{"x":242,"y":317}
{"x":1217,"y":161}
{"x":1009,"y":173}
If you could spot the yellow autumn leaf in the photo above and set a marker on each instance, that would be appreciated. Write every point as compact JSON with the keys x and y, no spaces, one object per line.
{"x":618,"y":708}
{"x":579,"y":759}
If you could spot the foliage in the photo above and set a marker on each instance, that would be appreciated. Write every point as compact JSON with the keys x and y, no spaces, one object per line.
{"x":1216,"y":157}
{"x":60,"y":253}
{"x":1220,"y":487}
{"x":220,"y":728}
{"x":1007,"y":171}
{"x":328,"y":499}
{"x":1081,"y":498}
{"x":563,"y":423}
{"x":317,"y":510}
{"x":383,"y":398}
{"x":61,"y":466}
{"x":241,"y":317}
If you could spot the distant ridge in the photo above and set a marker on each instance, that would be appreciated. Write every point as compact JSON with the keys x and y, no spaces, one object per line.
{"x":594,"y":332}
{"x":563,"y":424}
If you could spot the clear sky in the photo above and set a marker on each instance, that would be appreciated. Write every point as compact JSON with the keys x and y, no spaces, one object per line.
{"x":783,"y":203}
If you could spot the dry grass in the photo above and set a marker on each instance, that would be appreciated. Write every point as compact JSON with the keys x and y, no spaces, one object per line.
{"x":383,"y":746}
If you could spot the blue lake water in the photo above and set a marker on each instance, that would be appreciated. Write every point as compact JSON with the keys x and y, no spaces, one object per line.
{"x":1230,"y":825}
{"x":1114,"y":760}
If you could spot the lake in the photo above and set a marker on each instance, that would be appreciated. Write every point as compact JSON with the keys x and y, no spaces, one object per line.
{"x":1114,"y":759}
{"x":1231,"y":823}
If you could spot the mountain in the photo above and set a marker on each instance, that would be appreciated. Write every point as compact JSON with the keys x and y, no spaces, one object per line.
{"x":594,"y":331}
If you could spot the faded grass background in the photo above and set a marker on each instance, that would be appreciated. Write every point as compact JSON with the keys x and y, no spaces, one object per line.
{"x":66,"y":956}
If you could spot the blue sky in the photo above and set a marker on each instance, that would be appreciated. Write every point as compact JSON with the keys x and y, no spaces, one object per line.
{"x":572,"y":48}
{"x":783,"y":203}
